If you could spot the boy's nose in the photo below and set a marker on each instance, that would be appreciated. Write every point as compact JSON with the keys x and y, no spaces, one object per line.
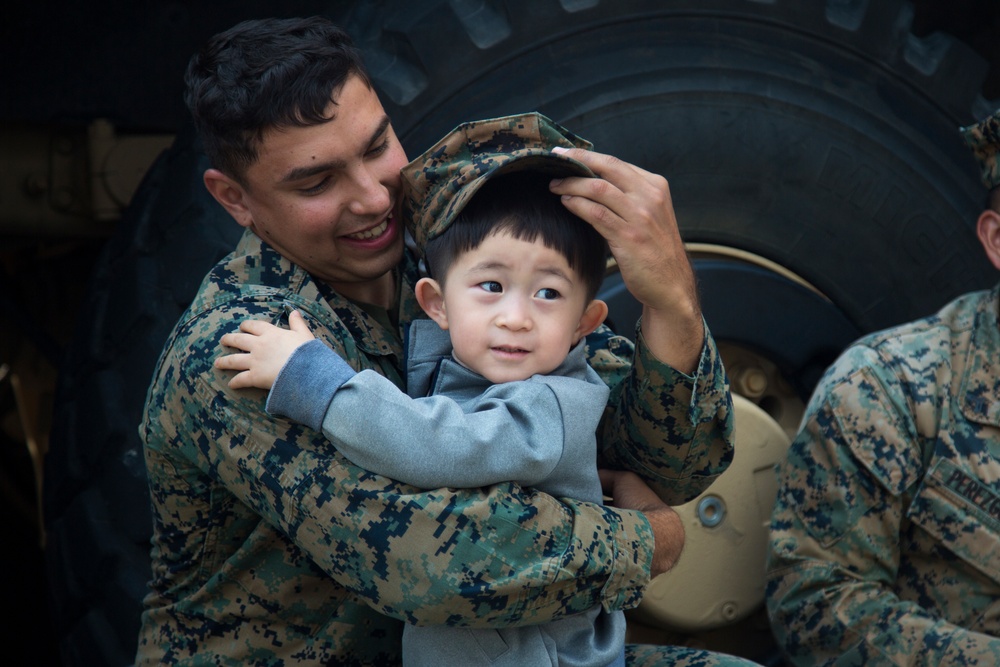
{"x":515,"y":316}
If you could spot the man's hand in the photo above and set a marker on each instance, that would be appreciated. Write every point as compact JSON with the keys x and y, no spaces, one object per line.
{"x":266,"y":349}
{"x":632,"y":209}
{"x":628,"y":491}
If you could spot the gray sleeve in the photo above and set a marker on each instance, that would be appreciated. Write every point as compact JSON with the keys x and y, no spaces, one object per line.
{"x":515,"y":434}
{"x":307,"y":383}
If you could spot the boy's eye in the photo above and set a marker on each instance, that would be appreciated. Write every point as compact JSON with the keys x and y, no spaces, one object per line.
{"x":547,"y":293}
{"x":491,"y":286}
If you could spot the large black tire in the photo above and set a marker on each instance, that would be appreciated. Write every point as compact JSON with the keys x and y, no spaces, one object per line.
{"x":820,"y":136}
{"x":96,"y":500}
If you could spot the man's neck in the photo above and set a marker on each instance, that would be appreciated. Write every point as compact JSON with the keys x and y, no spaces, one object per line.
{"x":380,"y":292}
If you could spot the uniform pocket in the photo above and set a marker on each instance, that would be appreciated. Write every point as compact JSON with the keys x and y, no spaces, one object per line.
{"x":852,"y":461}
{"x":962,"y":513}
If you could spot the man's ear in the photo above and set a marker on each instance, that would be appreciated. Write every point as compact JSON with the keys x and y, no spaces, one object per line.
{"x":988,"y":230}
{"x":593,"y":315}
{"x":430,"y":296}
{"x":230,"y":194}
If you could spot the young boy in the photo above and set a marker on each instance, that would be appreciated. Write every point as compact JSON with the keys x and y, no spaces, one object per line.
{"x":499,"y":388}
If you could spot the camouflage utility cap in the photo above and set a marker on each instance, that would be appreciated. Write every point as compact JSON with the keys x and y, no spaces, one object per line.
{"x":984,"y":140}
{"x":439,"y":183}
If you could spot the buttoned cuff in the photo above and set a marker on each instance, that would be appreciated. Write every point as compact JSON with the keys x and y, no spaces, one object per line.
{"x":622,"y":546}
{"x":633,"y":543}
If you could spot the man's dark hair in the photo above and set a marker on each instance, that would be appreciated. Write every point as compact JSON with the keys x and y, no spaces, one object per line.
{"x":265,"y":74}
{"x":522,"y":205}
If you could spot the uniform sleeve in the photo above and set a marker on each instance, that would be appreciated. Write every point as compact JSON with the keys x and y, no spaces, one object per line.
{"x":835,"y":530}
{"x":492,"y":556}
{"x":674,"y":430}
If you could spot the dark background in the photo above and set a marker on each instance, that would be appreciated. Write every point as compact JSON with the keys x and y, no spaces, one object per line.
{"x":68,"y":62}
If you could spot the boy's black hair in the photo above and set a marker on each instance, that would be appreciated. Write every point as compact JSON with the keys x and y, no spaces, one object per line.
{"x":265,"y":74}
{"x":522,"y":205}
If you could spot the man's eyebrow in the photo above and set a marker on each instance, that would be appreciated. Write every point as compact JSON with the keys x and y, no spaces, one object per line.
{"x":300,"y":173}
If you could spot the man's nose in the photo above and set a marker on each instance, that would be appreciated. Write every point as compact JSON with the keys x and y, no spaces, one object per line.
{"x":368,"y":194}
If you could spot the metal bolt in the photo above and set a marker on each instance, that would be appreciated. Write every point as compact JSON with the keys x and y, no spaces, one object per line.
{"x":711,"y":511}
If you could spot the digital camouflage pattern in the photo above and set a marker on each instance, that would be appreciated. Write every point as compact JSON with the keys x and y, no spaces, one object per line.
{"x":885,"y":537}
{"x":270,"y":548}
{"x":647,"y":655}
{"x":984,"y":140}
{"x":438,"y":184}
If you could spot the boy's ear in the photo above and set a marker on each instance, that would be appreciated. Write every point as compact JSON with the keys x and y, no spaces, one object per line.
{"x":593,"y":315}
{"x":988,"y":230}
{"x":431,"y":298}
{"x":230,"y":194}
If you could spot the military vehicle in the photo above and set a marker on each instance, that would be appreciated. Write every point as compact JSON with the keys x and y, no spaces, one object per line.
{"x":814,"y":163}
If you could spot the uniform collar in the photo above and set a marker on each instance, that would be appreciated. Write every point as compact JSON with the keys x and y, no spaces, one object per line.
{"x":265,"y":266}
{"x":981,"y":384}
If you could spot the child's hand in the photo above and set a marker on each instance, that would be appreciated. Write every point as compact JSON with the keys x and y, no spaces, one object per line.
{"x":265,"y":347}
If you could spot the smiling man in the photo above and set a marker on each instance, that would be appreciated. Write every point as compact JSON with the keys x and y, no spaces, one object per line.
{"x":324,"y":196}
{"x":268,"y":546}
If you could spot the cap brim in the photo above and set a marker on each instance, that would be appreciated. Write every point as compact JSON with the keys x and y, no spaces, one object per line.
{"x":550,"y":164}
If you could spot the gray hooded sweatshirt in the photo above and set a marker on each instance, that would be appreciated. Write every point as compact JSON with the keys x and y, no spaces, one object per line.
{"x":456,"y":429}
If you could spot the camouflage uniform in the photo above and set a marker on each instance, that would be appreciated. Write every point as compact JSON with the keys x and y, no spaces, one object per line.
{"x":270,"y":548}
{"x":885,"y":538}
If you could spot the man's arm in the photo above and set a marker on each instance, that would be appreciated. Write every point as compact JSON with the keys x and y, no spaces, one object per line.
{"x":675,"y":431}
{"x":632,"y":208}
{"x":409,"y":554}
{"x":626,"y":489}
{"x":836,"y":527}
{"x":670,"y":415}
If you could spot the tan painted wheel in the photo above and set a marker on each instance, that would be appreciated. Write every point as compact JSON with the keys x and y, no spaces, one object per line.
{"x":719,"y":576}
{"x":719,"y":580}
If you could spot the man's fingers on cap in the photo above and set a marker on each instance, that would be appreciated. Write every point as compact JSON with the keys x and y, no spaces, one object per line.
{"x":600,"y":163}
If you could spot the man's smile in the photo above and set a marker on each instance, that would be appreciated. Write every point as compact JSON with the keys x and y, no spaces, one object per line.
{"x":371,"y":233}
